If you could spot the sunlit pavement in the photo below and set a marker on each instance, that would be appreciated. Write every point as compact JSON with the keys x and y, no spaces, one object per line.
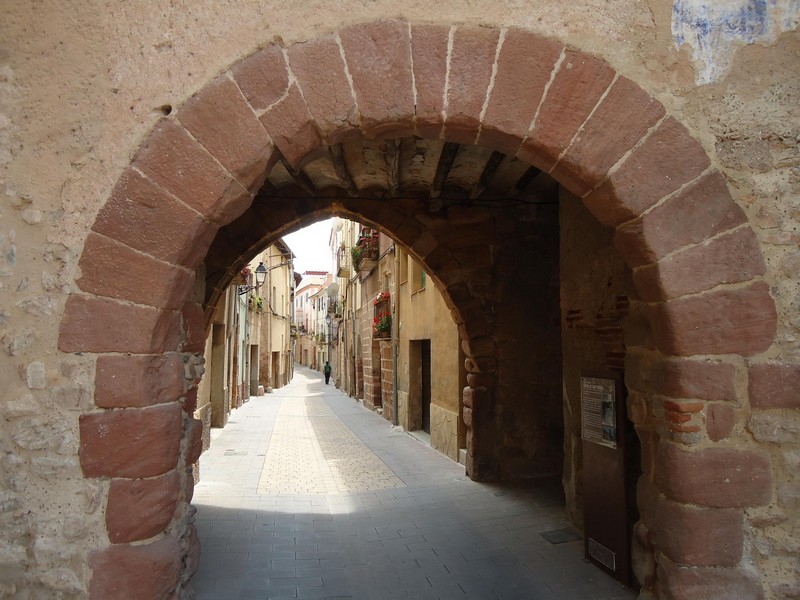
{"x":306,"y":494}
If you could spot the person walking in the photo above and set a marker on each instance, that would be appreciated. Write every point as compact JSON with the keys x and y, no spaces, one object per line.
{"x":327,"y":371}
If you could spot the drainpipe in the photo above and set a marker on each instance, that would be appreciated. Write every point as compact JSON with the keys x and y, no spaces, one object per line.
{"x":395,"y":332}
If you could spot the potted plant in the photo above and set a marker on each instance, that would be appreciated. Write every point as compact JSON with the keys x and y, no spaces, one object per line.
{"x":382,"y":324}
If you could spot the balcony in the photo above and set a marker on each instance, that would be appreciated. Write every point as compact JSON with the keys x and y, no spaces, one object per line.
{"x":343,"y":262}
{"x":365,"y":252}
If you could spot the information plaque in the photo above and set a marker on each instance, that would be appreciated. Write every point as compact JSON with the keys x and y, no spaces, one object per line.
{"x":598,"y":411}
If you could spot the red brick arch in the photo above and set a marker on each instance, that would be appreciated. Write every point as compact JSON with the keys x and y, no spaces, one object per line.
{"x":696,"y":263}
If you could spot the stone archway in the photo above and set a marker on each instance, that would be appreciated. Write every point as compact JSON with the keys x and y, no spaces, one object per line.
{"x":696,"y":263}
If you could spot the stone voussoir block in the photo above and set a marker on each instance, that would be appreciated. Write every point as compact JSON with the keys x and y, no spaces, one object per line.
{"x":292,"y":127}
{"x":92,"y":324}
{"x":732,"y":321}
{"x":576,"y":88}
{"x":143,"y":216}
{"x":138,"y":509}
{"x":469,"y":73}
{"x":700,"y":211}
{"x":621,"y":119}
{"x":715,"y":477}
{"x":220,"y":118}
{"x":263,"y":77}
{"x":131,"y":443}
{"x":131,"y":381}
{"x":774,"y":386}
{"x":649,"y":174}
{"x":183,"y":167}
{"x":321,"y":74}
{"x":378,"y":58}
{"x":141,"y":572}
{"x":429,"y":55}
{"x":731,"y":258}
{"x":144,"y":280}
{"x":524,"y":66}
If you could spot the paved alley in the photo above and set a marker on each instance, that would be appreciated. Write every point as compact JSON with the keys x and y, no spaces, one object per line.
{"x":306,"y":494}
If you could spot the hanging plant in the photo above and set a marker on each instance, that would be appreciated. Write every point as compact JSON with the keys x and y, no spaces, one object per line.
{"x":382,"y":324}
{"x":256,"y":303}
{"x":381,"y":298}
{"x":244,"y":277}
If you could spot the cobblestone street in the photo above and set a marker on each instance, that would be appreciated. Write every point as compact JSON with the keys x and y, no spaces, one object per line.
{"x":306,"y":494}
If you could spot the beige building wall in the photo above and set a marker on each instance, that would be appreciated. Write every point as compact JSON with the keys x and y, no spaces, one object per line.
{"x":424,"y":316}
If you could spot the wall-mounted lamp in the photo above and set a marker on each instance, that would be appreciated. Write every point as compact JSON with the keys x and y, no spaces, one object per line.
{"x":261,"y":276}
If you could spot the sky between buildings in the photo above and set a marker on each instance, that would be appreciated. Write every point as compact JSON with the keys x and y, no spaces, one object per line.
{"x":310,"y":247}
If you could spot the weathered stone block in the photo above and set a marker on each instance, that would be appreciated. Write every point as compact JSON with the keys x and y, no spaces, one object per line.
{"x":731,"y":258}
{"x":429,"y":53}
{"x":699,"y":536}
{"x":92,"y":324}
{"x":741,"y":321}
{"x":574,"y":92}
{"x":131,"y":442}
{"x":194,"y":327}
{"x":320,"y":73}
{"x":263,"y":77}
{"x":524,"y":65}
{"x":138,"y":381}
{"x":140,"y":572}
{"x":138,"y":509}
{"x":471,"y":61}
{"x":774,"y":386}
{"x":700,"y":211}
{"x":144,"y":280}
{"x":777,"y":426}
{"x":35,"y":376}
{"x":690,"y":583}
{"x":194,"y":441}
{"x":617,"y":124}
{"x":292,"y":127}
{"x":180,"y":165}
{"x":720,"y":420}
{"x":145,"y":217}
{"x":378,"y":58}
{"x":668,"y":158}
{"x":716,"y":477}
{"x":220,"y":119}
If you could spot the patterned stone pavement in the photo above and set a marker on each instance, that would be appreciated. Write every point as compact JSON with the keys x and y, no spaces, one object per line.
{"x":306,"y":494}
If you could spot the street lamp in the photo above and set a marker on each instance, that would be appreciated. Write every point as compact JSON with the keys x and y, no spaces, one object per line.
{"x":261,"y":276}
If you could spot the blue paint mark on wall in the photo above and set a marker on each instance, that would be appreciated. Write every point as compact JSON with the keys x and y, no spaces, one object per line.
{"x":714,"y":28}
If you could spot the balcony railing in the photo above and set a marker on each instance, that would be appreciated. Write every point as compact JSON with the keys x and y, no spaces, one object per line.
{"x":343,"y":262}
{"x":365,"y":252}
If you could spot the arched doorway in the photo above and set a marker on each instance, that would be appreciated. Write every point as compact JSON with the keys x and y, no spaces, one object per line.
{"x":188,"y":199}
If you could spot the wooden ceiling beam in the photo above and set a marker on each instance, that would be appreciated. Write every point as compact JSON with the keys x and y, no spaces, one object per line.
{"x":393,"y":166}
{"x":346,"y":180}
{"x":524,"y":181}
{"x":486,"y":176}
{"x":446,"y":159}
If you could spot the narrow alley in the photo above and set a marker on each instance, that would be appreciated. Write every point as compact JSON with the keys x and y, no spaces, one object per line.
{"x":306,"y":494}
